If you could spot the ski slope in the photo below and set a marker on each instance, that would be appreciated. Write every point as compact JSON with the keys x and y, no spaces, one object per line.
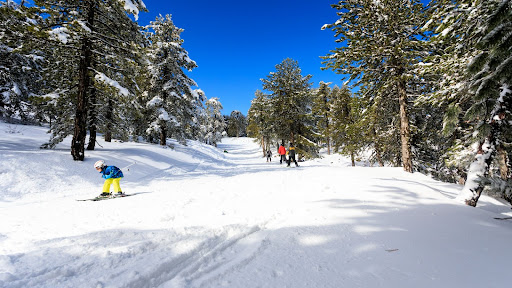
{"x":204,"y":218}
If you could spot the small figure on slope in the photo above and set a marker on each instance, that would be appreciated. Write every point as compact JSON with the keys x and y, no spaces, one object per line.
{"x":112,"y":175}
{"x":291,"y":155}
{"x":282,"y":153}
{"x":269,"y":155}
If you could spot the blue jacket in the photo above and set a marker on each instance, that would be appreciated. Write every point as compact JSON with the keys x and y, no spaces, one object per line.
{"x":111,"y":172}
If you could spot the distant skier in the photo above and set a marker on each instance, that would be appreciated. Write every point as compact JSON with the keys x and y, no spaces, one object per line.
{"x":269,"y":155}
{"x":282,"y":153}
{"x":291,"y":155}
{"x":112,"y":175}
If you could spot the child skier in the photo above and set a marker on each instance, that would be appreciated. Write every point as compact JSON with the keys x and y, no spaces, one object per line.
{"x":269,"y":155}
{"x":112,"y":175}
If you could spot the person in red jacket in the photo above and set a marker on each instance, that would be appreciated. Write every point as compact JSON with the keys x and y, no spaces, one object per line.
{"x":282,"y":152}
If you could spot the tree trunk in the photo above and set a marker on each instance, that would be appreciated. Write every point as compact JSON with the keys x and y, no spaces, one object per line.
{"x":378,"y":150}
{"x":92,"y":121}
{"x":352,"y":158}
{"x":477,"y":170}
{"x":263,"y":145}
{"x":405,"y":133}
{"x":378,"y":154}
{"x":480,"y":167}
{"x":486,"y":152}
{"x":327,"y":130}
{"x":109,"y":119}
{"x":80,"y":126}
{"x":502,"y":162}
{"x":163,"y":133}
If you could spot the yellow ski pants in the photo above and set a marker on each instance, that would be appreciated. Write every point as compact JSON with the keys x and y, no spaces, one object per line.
{"x":108,"y":182}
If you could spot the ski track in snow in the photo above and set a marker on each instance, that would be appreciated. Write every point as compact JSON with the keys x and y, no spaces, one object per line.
{"x":166,"y":268}
{"x":77,"y":259}
{"x":204,"y":218}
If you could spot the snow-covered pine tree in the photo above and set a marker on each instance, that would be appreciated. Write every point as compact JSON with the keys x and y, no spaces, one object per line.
{"x":381,"y":125}
{"x":290,"y":100}
{"x":213,"y":124}
{"x":380,"y":46}
{"x":97,"y":41}
{"x":258,"y":118}
{"x":236,"y":124}
{"x":307,"y":137}
{"x":347,"y":131}
{"x":430,"y":147}
{"x":356,"y":135}
{"x":19,"y":61}
{"x":339,"y":111}
{"x":112,"y":100}
{"x":474,"y":33}
{"x":172,"y":98}
{"x":452,"y":25}
{"x":490,"y":76}
{"x":321,"y":110}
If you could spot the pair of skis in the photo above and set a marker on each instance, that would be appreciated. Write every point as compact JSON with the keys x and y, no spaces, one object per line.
{"x":111,"y":196}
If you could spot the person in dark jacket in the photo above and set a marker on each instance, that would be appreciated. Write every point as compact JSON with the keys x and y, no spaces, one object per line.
{"x":112,"y":175}
{"x":291,"y":155}
{"x":269,"y":155}
{"x":282,"y":153}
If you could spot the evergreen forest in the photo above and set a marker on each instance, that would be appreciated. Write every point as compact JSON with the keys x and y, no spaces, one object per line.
{"x":426,"y":87}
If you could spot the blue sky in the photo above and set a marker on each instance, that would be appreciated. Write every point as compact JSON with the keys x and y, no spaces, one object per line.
{"x":236,"y":43}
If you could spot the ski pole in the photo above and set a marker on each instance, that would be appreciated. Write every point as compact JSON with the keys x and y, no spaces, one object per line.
{"x":134,"y":162}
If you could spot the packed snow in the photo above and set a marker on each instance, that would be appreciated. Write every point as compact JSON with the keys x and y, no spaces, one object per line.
{"x":201,"y":217}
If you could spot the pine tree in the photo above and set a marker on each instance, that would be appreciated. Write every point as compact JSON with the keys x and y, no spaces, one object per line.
{"x":348,"y":132}
{"x":321,"y":109}
{"x":355,"y":140}
{"x":474,"y":34}
{"x":430,"y":147}
{"x":451,"y":25}
{"x":290,"y":100}
{"x":236,"y":124}
{"x":258,"y":118}
{"x":339,"y":113}
{"x":213,"y":124}
{"x":97,"y":43}
{"x":19,"y":61}
{"x":381,"y":46}
{"x":490,"y":76}
{"x":172,"y":97}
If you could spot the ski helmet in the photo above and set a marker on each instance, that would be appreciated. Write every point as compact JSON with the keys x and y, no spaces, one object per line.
{"x":99,"y":164}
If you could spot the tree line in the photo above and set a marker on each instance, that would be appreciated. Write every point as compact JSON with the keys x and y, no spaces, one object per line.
{"x":86,"y":67}
{"x":427,"y":87}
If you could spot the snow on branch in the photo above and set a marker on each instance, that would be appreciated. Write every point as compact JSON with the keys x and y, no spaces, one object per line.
{"x":61,"y":34}
{"x":133,"y":8}
{"x":103,"y":78}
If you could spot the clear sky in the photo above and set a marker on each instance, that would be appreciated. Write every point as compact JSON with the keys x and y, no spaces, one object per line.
{"x":236,"y":43}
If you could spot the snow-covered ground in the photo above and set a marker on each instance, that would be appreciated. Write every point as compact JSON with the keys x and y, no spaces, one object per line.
{"x":204,"y":218}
